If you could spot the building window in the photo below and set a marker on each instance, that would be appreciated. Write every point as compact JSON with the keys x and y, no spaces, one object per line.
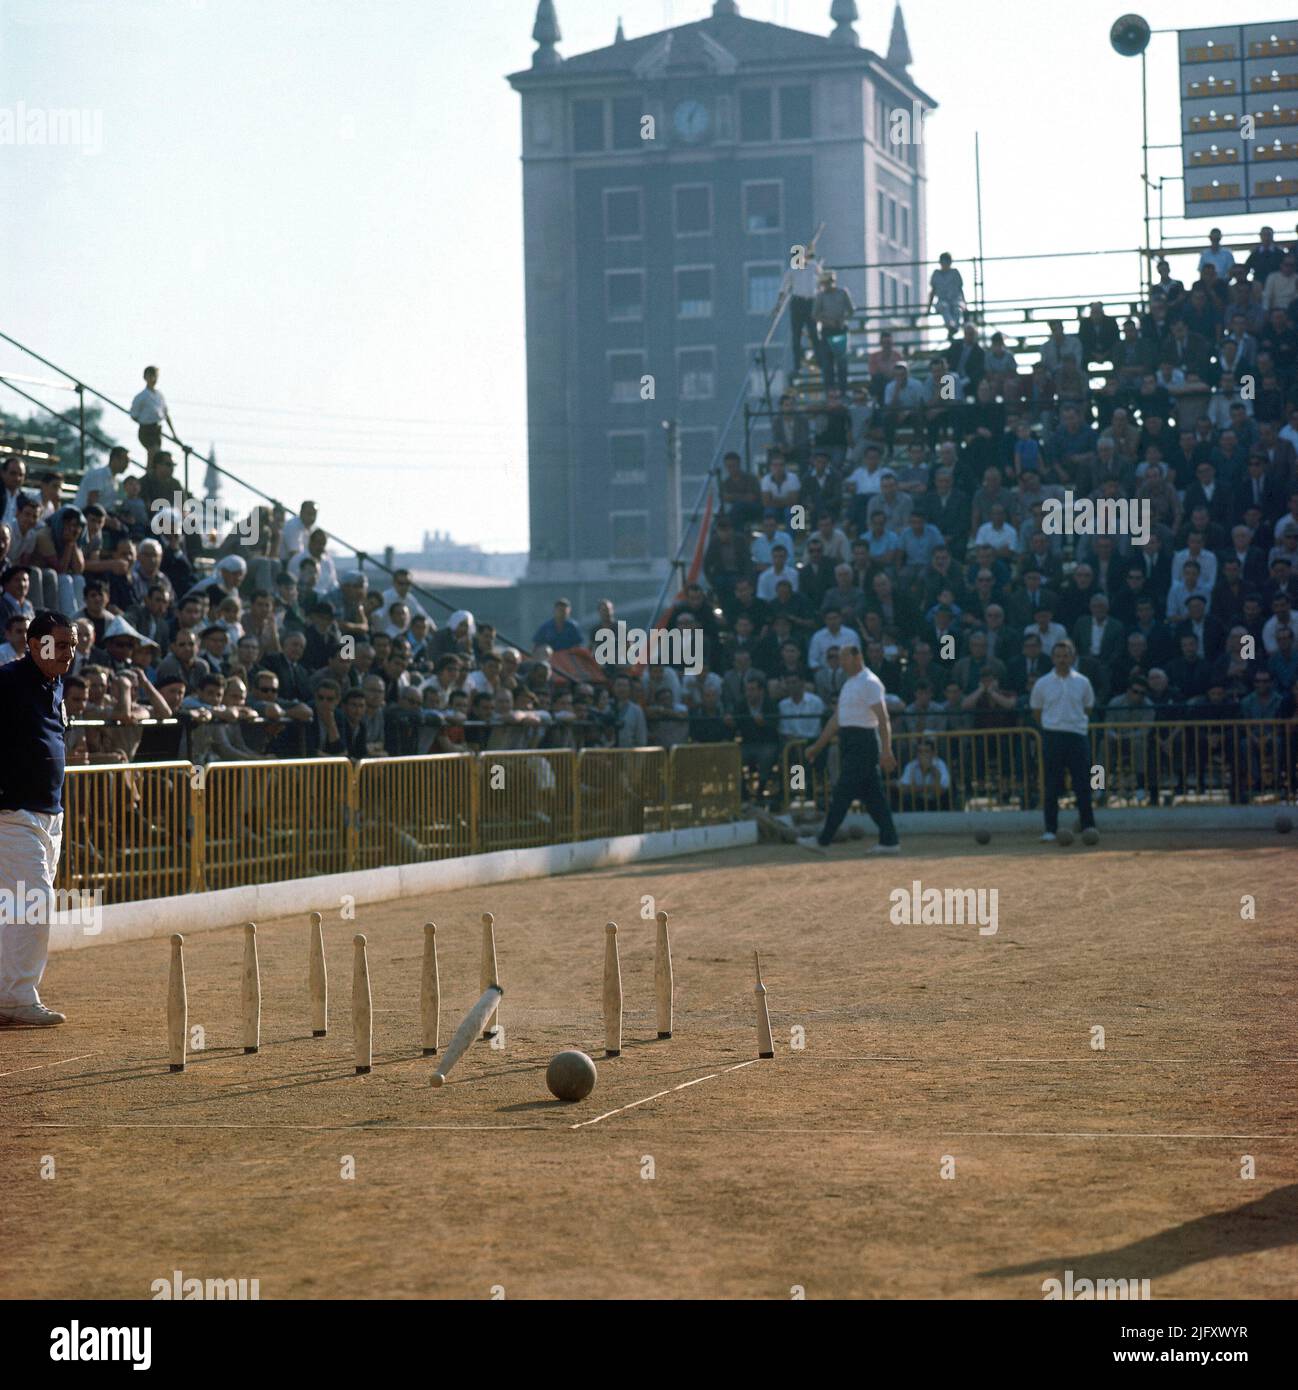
{"x":879,"y":218}
{"x":763,"y":207}
{"x":892,"y":219}
{"x":762,"y":287}
{"x":883,"y":289}
{"x":755,"y":114}
{"x":625,"y":293}
{"x":622,"y":212}
{"x":587,"y":126}
{"x":905,"y":225}
{"x":626,"y":458}
{"x":795,"y":113}
{"x":627,"y":115}
{"x":697,"y":374}
{"x":693,"y":209}
{"x":630,"y":540}
{"x":694,"y":293}
{"x":625,"y":370}
{"x":892,"y":292}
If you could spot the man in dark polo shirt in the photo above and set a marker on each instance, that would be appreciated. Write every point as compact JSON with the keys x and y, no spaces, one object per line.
{"x":31,"y":813}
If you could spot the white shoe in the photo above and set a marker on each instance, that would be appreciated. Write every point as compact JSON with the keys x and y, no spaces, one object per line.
{"x":811,"y":843}
{"x":884,"y":849}
{"x":29,"y":1016}
{"x":1048,"y":838}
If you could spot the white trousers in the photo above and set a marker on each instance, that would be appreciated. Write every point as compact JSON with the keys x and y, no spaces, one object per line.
{"x":30,"y":842}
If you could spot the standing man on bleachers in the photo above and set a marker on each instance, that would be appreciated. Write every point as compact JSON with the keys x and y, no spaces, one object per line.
{"x":149,"y":411}
{"x":801,"y":282}
{"x":833,"y":310}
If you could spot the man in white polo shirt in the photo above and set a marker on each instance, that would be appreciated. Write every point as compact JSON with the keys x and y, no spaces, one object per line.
{"x":1063,"y":700}
{"x":865,"y":744}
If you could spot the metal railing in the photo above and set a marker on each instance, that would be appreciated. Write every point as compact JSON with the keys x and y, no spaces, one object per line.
{"x":1231,"y":761}
{"x":146,"y":830}
{"x":1148,"y":763}
{"x":937,"y":770}
{"x":621,"y":791}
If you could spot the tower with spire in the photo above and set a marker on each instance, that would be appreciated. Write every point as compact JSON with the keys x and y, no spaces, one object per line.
{"x":666,"y":179}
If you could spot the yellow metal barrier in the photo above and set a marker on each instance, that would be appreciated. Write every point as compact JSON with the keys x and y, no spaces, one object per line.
{"x":620,"y":791}
{"x":525,"y":798}
{"x":705,"y":781}
{"x":409,"y":810}
{"x":1236,"y":761}
{"x":126,"y":831}
{"x":270,"y":821}
{"x":951,"y":770}
{"x":159,"y":829}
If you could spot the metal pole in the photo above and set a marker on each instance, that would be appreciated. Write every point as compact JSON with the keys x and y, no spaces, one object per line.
{"x":673,"y":516}
{"x":1147,"y":276}
{"x":978,"y":184}
{"x":81,"y":427}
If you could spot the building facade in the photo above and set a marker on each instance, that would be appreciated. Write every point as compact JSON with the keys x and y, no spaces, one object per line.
{"x":666,"y":180}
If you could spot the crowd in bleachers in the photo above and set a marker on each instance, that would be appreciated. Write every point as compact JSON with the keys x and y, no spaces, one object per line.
{"x":902,"y":515}
{"x":922,"y":489}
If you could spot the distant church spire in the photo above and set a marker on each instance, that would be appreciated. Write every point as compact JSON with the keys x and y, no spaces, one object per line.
{"x":843,"y":13}
{"x":899,"y":45}
{"x":619,"y":37}
{"x":546,"y":33}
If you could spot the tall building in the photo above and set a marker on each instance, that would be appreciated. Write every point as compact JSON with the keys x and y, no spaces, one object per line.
{"x":666,"y":180}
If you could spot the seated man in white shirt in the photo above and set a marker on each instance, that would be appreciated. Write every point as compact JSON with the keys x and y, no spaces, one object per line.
{"x":296,"y":530}
{"x":998,"y":533}
{"x":100,"y":484}
{"x":833,"y":634}
{"x":780,"y":488}
{"x":317,"y":550}
{"x":767,"y":539}
{"x":402,"y":591}
{"x":927,"y":780}
{"x":801,"y":710}
{"x":780,"y":569}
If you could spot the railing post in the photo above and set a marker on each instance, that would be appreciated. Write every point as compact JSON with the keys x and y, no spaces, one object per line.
{"x":353,"y":816}
{"x":198,"y":832}
{"x":475,"y":803}
{"x":576,"y":795}
{"x":81,"y":423}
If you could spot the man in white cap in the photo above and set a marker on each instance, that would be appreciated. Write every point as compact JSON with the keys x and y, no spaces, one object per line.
{"x":224,"y":581}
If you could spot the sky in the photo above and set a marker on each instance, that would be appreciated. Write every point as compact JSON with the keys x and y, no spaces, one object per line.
{"x":308,"y":213}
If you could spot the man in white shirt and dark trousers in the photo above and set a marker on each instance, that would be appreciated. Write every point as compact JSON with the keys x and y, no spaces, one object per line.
{"x":801,"y":283}
{"x":865,"y":745}
{"x":149,"y":410}
{"x":1063,"y":701}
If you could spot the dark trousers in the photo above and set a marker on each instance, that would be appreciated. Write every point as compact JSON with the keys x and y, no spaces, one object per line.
{"x":803,"y":320}
{"x":1067,"y":753}
{"x":861,"y":781}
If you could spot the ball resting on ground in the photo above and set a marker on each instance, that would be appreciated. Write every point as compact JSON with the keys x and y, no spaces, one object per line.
{"x":570,"y":1075}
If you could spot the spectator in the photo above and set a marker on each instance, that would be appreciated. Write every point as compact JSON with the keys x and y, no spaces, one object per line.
{"x":100,"y":484}
{"x":149,"y":411}
{"x":946,"y":293}
{"x":833,"y":309}
{"x":559,"y":632}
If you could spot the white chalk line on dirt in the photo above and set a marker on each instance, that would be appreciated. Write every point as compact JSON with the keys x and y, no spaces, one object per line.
{"x":40,"y":1066}
{"x":818,"y":1131}
{"x":1097,"y":1060}
{"x":698,"y":1080}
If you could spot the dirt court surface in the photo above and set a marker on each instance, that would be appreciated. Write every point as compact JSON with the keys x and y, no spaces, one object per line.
{"x":821,"y":1169}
